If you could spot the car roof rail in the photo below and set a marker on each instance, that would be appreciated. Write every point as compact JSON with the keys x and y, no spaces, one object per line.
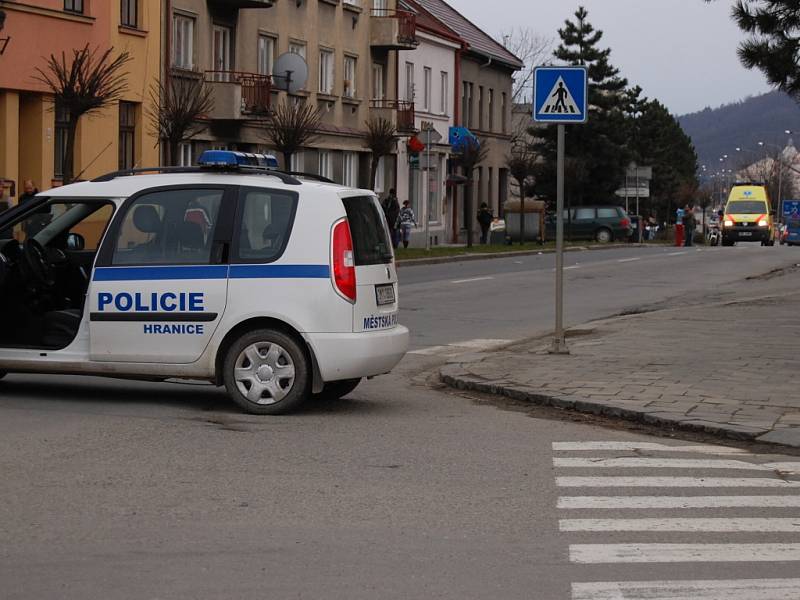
{"x":313,"y":176}
{"x":248,"y":169}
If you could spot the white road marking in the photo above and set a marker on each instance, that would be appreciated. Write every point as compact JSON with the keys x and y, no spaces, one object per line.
{"x":696,"y":449}
{"x":646,"y":502}
{"x":682,"y":553}
{"x":480,"y":344}
{"x":460,"y":347}
{"x":472,"y":280}
{"x":725,"y":589}
{"x":670,"y":463}
{"x":676,"y":253}
{"x":673,"y":482}
{"x":572,"y":267}
{"x":625,"y":260}
{"x":721,"y":525}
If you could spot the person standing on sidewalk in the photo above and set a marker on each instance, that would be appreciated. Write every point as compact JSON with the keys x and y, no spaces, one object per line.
{"x":406,"y":221}
{"x":391,"y":209}
{"x":689,"y":225}
{"x":485,"y":218}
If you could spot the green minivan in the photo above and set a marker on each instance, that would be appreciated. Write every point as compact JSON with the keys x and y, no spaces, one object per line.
{"x":600,"y":223}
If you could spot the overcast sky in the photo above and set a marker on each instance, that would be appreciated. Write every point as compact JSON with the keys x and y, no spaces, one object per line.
{"x":682,"y":52}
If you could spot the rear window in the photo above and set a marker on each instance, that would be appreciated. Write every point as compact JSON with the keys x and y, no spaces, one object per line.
{"x":746,"y":207}
{"x":265,"y":224}
{"x":608,"y":213}
{"x":584,"y":214}
{"x":371,"y":244}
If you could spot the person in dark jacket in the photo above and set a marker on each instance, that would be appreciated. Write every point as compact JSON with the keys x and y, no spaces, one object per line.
{"x":29,"y":190}
{"x":391,"y":208}
{"x":689,"y":225}
{"x":485,"y":218}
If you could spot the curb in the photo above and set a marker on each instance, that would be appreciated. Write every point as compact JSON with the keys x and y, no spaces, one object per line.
{"x":456,"y":377}
{"x":416,"y":262}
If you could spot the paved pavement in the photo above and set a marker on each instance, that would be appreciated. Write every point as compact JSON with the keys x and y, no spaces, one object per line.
{"x":728,"y":368}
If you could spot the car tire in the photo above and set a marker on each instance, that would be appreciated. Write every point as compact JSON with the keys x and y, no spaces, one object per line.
{"x":335,"y":390}
{"x":266,"y":372}
{"x":603,"y":235}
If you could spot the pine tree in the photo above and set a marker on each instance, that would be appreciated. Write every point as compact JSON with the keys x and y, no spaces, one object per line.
{"x":596,"y":152}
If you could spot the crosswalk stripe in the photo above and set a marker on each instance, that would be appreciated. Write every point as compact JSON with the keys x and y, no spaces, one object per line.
{"x":670,"y":463}
{"x":651,"y":446}
{"x":675,"y":553}
{"x":731,"y":589}
{"x":645,"y":502}
{"x":673,"y":482}
{"x":730,"y":525}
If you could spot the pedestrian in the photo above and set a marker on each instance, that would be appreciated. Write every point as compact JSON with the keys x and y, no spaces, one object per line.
{"x":689,"y":225}
{"x":485,"y":218}
{"x":391,"y":209}
{"x":406,"y":220}
{"x":29,"y":190}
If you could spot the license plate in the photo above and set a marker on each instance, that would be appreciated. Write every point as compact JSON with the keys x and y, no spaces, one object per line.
{"x":384,"y":294}
{"x":745,"y":233}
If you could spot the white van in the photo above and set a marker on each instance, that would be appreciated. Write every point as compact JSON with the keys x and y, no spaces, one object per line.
{"x":273,"y":285}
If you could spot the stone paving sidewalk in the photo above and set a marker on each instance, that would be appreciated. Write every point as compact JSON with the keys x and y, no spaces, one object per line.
{"x":731,"y":369}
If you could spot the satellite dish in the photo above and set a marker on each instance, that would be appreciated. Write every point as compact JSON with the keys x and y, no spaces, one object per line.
{"x":290,"y":73}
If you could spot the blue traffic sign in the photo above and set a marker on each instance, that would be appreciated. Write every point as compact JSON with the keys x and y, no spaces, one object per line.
{"x":560,"y":94}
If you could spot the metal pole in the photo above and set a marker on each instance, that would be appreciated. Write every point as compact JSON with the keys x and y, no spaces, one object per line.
{"x":779,"y":210}
{"x":427,"y":191}
{"x":559,"y":340}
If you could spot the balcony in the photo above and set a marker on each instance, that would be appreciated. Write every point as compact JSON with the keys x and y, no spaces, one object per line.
{"x":239,"y":96}
{"x":399,"y":112}
{"x":237,"y":4}
{"x":393,"y":29}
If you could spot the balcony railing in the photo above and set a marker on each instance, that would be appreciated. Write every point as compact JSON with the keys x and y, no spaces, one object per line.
{"x":394,"y":29}
{"x":238,"y":95}
{"x":237,"y":4}
{"x":399,"y":112}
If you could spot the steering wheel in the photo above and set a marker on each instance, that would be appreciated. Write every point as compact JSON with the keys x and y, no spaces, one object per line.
{"x":35,"y":264}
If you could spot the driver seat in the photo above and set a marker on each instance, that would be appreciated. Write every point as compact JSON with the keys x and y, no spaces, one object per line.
{"x":59,"y":327}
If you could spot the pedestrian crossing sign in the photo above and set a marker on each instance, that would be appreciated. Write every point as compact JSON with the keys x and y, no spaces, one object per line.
{"x":560,"y":94}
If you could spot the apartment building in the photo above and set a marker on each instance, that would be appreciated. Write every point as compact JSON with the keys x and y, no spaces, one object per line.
{"x":32,"y":128}
{"x":349,"y":46}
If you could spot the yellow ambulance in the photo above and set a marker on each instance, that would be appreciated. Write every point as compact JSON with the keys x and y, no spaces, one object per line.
{"x":748,"y":216}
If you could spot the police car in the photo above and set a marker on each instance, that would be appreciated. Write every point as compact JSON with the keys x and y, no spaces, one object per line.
{"x":277,"y":286}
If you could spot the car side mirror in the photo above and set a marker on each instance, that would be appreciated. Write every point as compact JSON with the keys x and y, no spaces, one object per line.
{"x":75,"y":242}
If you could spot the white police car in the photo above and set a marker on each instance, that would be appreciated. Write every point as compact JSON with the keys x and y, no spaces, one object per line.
{"x":274,"y":285}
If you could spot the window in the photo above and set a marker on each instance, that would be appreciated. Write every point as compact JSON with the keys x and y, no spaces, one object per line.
{"x":185,"y":154}
{"x":490,"y":188}
{"x":584,"y":214}
{"x":325,"y":166}
{"x":222,"y":52}
{"x":297,"y":163}
{"x":504,"y":115}
{"x":170,"y":227}
{"x":371,"y":244}
{"x":409,"y":81}
{"x":182,"y":42}
{"x":74,"y":6}
{"x":380,"y":7}
{"x":379,"y":176}
{"x":128,"y":15}
{"x":266,"y":54}
{"x":491,"y":109}
{"x":443,"y":106}
{"x":326,"y":72}
{"x":352,"y":2}
{"x":607,"y":213}
{"x":61,"y":132}
{"x":89,"y":219}
{"x":298,"y":48}
{"x":350,"y":65}
{"x":127,"y":135}
{"x":350,"y":169}
{"x":480,"y":107}
{"x":426,"y":89}
{"x":266,"y":222}
{"x":378,"y":87}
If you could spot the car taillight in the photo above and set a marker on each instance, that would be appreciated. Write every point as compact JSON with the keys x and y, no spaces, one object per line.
{"x":625,"y":223}
{"x":342,"y":261}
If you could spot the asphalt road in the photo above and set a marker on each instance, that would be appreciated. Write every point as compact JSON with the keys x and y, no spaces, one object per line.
{"x":139,"y":490}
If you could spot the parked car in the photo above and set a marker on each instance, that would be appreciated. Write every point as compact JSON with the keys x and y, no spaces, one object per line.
{"x":600,"y":223}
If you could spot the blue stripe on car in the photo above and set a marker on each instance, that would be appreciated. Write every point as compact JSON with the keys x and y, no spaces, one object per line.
{"x":195,"y":272}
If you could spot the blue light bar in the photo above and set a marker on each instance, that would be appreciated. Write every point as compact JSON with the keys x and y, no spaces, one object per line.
{"x":228,"y":158}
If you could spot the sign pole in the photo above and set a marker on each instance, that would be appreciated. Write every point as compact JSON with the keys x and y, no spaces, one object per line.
{"x":427,"y":190}
{"x":559,"y":340}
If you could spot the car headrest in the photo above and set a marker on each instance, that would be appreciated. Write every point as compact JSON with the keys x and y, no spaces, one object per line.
{"x":190,"y":236}
{"x":146,"y":219}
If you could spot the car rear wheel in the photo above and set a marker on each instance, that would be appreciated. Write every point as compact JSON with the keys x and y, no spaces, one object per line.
{"x":334,"y":390}
{"x":266,"y":372}
{"x":603,"y":236}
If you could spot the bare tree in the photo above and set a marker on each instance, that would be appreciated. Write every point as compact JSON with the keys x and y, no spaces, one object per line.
{"x":381,"y":139}
{"x":291,"y":127}
{"x":86,"y":83}
{"x":522,"y":166}
{"x":180,"y":104}
{"x":472,"y":153}
{"x":533,"y":49}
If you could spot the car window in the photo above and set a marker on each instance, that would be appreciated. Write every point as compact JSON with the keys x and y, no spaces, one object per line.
{"x":169,"y":227}
{"x":370,"y":233}
{"x":584,"y":214}
{"x":265,"y":224}
{"x":746,"y":207}
{"x":607,"y":213}
{"x":54,"y":220}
